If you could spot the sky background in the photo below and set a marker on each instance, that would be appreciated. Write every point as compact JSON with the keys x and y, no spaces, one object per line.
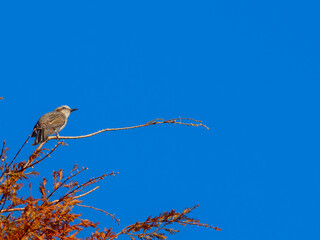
{"x":248,"y":69}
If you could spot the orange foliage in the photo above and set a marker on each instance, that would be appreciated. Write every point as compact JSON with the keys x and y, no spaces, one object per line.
{"x":51,"y":216}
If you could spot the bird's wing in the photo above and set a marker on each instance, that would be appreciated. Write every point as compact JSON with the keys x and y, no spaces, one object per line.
{"x":53,"y":120}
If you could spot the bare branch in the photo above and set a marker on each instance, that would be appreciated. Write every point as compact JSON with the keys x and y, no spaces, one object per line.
{"x":109,"y":214}
{"x":25,"y":142}
{"x":87,"y":192}
{"x":89,"y":182}
{"x":36,"y":154}
{"x":3,"y":150}
{"x":194,"y":123}
{"x":12,"y":210}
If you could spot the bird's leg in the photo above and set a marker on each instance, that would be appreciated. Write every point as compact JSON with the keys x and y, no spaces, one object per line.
{"x":57,"y":134}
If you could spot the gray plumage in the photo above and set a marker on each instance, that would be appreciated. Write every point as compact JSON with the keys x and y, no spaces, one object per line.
{"x":51,"y":123}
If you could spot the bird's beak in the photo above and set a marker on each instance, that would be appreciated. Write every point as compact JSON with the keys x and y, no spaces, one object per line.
{"x":75,"y":109}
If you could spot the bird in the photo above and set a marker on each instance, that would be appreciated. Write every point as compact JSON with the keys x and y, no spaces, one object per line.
{"x":51,"y":123}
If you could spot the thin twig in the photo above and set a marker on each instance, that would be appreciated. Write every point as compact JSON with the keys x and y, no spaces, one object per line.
{"x":2,"y":151}
{"x":29,"y":163}
{"x":87,"y":192}
{"x":72,"y":175}
{"x":109,"y":214}
{"x":25,"y":142}
{"x":91,"y":181}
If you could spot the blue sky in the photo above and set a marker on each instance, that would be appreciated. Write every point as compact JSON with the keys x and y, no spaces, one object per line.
{"x":248,"y":69}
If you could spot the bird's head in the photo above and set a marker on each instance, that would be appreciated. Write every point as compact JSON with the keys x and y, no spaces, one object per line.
{"x":66,"y":110}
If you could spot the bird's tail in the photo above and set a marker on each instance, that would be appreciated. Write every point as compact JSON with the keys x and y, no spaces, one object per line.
{"x":40,"y":134}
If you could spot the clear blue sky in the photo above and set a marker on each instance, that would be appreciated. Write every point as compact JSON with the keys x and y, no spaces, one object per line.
{"x":249,"y":69}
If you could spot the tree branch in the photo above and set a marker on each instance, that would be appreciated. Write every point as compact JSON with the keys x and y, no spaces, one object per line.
{"x":52,"y":202}
{"x":109,"y":214}
{"x":87,"y":192}
{"x":192,"y":122}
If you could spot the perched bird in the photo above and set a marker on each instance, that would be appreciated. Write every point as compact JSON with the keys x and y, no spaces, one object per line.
{"x":51,"y":123}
